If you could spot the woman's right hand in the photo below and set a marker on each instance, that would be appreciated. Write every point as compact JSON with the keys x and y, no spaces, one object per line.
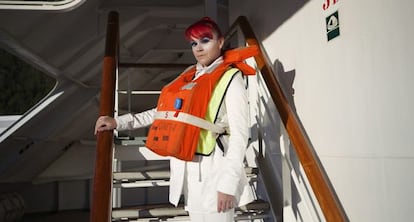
{"x":104,"y":123}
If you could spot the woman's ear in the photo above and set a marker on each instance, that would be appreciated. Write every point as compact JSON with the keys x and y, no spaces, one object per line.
{"x":221,"y":42}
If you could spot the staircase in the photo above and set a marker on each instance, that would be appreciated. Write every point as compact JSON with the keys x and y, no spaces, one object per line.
{"x":291,"y":178}
{"x":140,"y":187}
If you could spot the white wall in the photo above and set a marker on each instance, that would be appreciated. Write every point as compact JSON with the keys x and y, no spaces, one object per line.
{"x":353,"y":94}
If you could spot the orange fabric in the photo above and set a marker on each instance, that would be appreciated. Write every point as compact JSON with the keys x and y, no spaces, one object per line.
{"x":237,"y":57}
{"x":173,"y":138}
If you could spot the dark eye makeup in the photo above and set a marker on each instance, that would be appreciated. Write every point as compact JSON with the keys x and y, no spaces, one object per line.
{"x":203,"y":40}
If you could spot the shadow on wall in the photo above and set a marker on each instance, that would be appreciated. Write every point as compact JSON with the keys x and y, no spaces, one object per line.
{"x":273,"y":13}
{"x":270,"y":133}
{"x":286,"y":79}
{"x":280,"y":189}
{"x":286,"y":82}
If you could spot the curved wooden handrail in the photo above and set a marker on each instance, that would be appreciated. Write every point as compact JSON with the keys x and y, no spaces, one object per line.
{"x":325,"y":194}
{"x":102,"y":184}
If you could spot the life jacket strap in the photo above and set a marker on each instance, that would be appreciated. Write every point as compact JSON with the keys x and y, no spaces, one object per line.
{"x":189,"y":119}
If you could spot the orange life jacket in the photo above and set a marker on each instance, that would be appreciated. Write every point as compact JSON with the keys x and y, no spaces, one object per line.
{"x":185,"y":98}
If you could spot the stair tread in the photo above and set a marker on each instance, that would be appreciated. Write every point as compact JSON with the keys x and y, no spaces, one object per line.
{"x":128,"y":141}
{"x":162,"y":210}
{"x":169,"y":210}
{"x":159,"y":174}
{"x":142,"y":183}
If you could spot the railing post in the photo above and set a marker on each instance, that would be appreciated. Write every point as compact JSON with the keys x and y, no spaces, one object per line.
{"x":102,"y":184}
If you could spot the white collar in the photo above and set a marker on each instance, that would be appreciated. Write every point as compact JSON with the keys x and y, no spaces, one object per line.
{"x":200,"y":70}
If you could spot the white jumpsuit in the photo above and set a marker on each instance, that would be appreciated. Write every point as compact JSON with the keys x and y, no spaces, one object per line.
{"x":200,"y":179}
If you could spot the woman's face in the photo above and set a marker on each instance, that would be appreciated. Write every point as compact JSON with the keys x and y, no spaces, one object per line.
{"x":206,"y":50}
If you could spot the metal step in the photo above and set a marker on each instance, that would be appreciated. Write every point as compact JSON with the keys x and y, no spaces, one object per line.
{"x":130,"y":141}
{"x":133,"y":148}
{"x":141,"y":179}
{"x":175,"y":219}
{"x":142,"y":184}
{"x":146,"y":175}
{"x":249,"y":217}
{"x":255,"y":210}
{"x":160,"y":174}
{"x":155,"y":178}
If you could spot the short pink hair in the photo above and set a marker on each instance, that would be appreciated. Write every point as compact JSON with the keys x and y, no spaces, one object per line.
{"x":205,"y":27}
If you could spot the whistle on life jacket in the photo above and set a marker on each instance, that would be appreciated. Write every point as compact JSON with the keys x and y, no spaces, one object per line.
{"x":178,"y":104}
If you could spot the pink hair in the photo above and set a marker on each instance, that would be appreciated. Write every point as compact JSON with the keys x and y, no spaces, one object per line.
{"x":205,"y":27}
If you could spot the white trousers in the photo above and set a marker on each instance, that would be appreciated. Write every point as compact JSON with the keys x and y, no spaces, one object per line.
{"x":193,"y":183}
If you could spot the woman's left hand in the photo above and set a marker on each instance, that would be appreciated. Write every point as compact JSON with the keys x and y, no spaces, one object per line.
{"x":224,"y":202}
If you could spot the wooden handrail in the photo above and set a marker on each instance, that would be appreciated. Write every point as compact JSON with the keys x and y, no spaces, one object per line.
{"x":102,"y":184}
{"x":325,"y":194}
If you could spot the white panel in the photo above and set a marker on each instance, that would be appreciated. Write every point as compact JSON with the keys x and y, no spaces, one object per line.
{"x":353,"y":94}
{"x":358,"y":183}
{"x":399,"y":193}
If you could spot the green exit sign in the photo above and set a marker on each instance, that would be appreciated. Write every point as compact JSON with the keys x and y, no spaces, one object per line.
{"x":332,"y":26}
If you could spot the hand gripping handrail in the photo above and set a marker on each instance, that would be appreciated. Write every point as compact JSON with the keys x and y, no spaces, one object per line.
{"x":324,"y":192}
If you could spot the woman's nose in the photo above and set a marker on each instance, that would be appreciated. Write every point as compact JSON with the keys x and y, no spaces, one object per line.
{"x":198,"y":47}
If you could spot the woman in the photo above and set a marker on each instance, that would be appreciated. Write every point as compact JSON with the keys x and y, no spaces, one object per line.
{"x":215,"y":182}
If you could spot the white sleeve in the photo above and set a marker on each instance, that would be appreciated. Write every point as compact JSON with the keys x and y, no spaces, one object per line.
{"x":236,"y":104}
{"x":133,"y":121}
